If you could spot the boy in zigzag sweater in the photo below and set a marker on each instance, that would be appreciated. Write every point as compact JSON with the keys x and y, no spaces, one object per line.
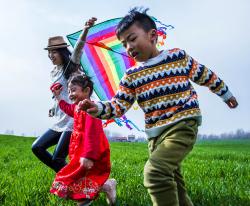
{"x":161,"y":85}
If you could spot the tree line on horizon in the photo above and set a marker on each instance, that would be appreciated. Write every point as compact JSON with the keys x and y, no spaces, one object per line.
{"x":239,"y":134}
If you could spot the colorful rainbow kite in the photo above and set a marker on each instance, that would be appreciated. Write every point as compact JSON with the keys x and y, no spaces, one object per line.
{"x":104,"y":58}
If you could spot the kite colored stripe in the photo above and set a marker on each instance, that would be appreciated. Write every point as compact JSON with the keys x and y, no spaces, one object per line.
{"x":100,"y":71}
{"x":102,"y":33}
{"x":98,"y":39}
{"x":91,"y":73}
{"x":107,"y":65}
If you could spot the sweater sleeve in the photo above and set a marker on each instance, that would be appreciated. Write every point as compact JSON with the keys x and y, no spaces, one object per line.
{"x":120,"y":103}
{"x":92,"y":138}
{"x":203,"y":76}
{"x":67,"y":108}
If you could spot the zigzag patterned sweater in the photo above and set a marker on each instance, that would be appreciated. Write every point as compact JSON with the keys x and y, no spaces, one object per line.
{"x":163,"y":90}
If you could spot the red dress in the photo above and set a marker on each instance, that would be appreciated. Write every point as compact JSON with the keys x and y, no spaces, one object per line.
{"x":87,"y":140}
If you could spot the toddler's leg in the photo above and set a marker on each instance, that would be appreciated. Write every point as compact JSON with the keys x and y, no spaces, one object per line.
{"x":109,"y":188}
{"x":167,"y":153}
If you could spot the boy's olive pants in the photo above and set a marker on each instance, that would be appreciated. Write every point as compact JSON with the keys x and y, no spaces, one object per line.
{"x":162,"y":175}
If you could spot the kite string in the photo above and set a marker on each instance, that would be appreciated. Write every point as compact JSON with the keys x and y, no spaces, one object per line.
{"x":63,"y":71}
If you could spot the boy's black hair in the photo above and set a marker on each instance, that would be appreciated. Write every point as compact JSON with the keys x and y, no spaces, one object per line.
{"x":136,"y":15}
{"x":68,"y":68}
{"x":83,"y":81}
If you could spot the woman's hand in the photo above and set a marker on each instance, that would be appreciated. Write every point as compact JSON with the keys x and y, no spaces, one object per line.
{"x":86,"y":27}
{"x":87,"y":163}
{"x":89,"y":23}
{"x":51,"y":112}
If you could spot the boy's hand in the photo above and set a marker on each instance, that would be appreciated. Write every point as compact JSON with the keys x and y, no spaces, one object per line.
{"x":232,"y":102}
{"x":87,"y":163}
{"x":88,"y":106}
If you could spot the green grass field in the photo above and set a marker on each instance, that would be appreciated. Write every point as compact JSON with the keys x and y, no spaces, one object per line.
{"x":216,"y":173}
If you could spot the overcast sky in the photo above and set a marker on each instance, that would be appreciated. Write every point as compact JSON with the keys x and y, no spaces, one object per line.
{"x":215,"y":33}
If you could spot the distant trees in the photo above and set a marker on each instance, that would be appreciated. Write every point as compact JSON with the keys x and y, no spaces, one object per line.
{"x":239,"y":134}
{"x":9,"y":132}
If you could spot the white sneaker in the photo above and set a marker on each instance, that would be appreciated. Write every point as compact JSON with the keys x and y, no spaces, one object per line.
{"x":110,"y":190}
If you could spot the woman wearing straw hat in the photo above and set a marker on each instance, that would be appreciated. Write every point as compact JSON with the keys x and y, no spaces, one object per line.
{"x":59,"y":134}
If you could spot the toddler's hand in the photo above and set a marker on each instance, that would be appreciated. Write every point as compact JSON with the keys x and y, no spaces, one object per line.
{"x":87,"y":163}
{"x":57,"y":92}
{"x":88,"y":106}
{"x":232,"y":102}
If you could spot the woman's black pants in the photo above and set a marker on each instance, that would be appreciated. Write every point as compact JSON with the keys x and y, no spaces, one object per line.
{"x":57,"y":160}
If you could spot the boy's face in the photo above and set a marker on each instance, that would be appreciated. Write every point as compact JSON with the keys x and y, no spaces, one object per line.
{"x":139,"y":44}
{"x":77,"y":94}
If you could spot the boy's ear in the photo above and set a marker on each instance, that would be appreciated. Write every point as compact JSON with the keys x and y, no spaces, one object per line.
{"x":154,"y":35}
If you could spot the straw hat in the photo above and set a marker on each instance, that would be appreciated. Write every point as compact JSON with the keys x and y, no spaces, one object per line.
{"x":56,"y":42}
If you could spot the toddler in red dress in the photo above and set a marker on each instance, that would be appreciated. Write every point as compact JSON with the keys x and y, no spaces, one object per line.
{"x":89,"y":168}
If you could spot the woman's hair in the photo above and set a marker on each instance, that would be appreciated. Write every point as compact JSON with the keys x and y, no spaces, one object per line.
{"x":83,"y":81}
{"x":138,"y":16}
{"x":68,"y":67}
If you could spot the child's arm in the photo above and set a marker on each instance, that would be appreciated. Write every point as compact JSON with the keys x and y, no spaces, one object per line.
{"x":117,"y":106}
{"x":77,"y":52}
{"x":56,"y":89}
{"x":67,"y":108}
{"x":203,"y":76}
{"x":64,"y":106}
